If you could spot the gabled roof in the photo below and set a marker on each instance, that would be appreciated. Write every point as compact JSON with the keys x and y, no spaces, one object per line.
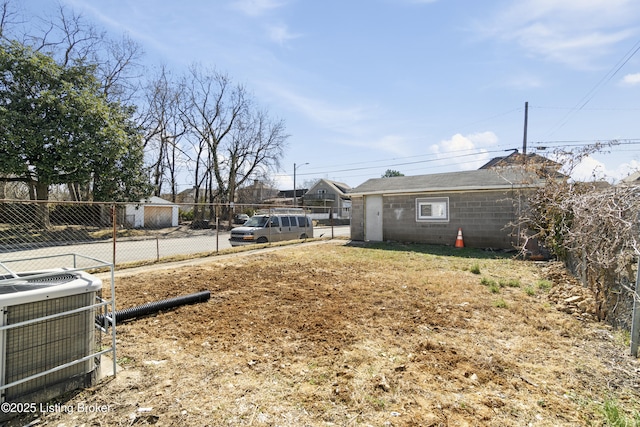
{"x":483,"y":179}
{"x":339,"y":187}
{"x":517,"y":159}
{"x":155,"y":200}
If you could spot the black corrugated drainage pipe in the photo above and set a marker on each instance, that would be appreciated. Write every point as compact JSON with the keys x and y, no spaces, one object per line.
{"x":152,"y":307}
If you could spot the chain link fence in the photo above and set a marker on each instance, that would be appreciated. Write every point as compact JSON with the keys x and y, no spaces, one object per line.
{"x":129,"y":233}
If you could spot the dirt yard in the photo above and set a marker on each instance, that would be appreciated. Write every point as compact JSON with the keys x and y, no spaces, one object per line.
{"x":330,"y":334}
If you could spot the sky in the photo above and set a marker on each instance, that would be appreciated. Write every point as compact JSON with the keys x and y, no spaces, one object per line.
{"x":415,"y":86}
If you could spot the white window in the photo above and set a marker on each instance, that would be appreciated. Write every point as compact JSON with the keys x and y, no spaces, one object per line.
{"x":432,"y":209}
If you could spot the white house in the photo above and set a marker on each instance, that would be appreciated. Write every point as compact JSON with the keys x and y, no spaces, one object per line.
{"x":328,"y":196}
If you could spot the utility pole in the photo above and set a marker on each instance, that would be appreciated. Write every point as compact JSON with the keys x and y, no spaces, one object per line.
{"x":526,"y":119}
{"x":295,"y":197}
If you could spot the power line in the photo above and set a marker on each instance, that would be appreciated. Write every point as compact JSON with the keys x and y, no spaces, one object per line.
{"x":452,"y":155}
{"x":590,"y":94}
{"x":477,"y":153}
{"x":583,"y":143}
{"x":368,"y":162}
{"x":538,"y":107}
{"x":449,"y":156}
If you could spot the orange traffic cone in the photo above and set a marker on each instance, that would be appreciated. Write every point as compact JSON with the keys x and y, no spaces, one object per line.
{"x":459,"y":240}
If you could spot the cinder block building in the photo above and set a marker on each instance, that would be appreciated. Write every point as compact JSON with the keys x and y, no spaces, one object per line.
{"x":431,"y":208}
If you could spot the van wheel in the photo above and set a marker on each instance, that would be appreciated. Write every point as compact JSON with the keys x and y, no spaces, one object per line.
{"x":262,"y":240}
{"x":303,"y":236}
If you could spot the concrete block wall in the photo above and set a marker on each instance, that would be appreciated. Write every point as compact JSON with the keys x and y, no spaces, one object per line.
{"x":357,"y":218}
{"x":483,"y":217}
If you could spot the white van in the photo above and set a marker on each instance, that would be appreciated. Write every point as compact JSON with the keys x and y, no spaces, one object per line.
{"x":275,"y":225}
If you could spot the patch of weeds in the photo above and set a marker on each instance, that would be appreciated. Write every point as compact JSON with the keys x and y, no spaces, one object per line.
{"x":616,"y":416}
{"x":530,"y":291}
{"x":487,"y":282}
{"x":544,"y":285}
{"x":475,"y":268}
{"x":511,"y":283}
{"x":500,"y":303}
{"x":493,"y":286}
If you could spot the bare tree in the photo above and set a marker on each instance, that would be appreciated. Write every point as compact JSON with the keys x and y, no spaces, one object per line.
{"x":8,"y":16}
{"x":257,"y":143}
{"x":120,"y":69}
{"x":212,"y":107}
{"x":232,"y":141}
{"x":66,"y":36}
{"x":71,"y":39}
{"x":163,"y":131}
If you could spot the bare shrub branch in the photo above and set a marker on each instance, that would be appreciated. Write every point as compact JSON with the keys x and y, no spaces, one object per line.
{"x":591,"y":225}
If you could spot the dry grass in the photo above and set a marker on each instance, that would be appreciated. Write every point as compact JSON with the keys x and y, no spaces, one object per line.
{"x":330,"y":334}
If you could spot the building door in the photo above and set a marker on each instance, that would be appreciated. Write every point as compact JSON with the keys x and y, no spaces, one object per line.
{"x":373,"y":218}
{"x":157,"y":216}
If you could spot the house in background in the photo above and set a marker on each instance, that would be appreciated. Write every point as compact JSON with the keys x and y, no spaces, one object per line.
{"x":633,"y":179}
{"x":431,"y":208}
{"x":287,"y":197}
{"x":328,"y":197}
{"x":187,"y":196}
{"x":532,"y":161}
{"x":257,"y":192}
{"x":153,"y":212}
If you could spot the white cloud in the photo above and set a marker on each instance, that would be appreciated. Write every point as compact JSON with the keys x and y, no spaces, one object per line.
{"x":626,"y":169}
{"x":337,"y":118}
{"x":591,"y":10}
{"x":355,"y":126}
{"x":631,"y":79}
{"x":570,"y":31}
{"x":590,"y":168}
{"x":467,"y":151}
{"x":576,"y":49}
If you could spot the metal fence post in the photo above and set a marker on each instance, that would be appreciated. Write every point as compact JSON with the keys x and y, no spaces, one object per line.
{"x":114,"y":220}
{"x":635,"y":322}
